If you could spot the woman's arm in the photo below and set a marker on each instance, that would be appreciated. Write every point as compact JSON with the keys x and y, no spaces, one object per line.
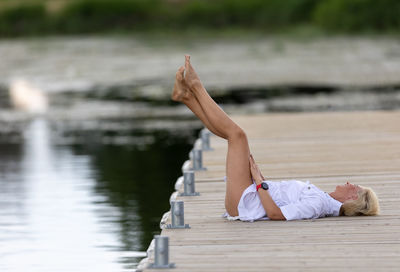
{"x":272,"y":210}
{"x":270,"y":207}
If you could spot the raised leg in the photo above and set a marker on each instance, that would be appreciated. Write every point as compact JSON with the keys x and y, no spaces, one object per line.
{"x":182,"y":94}
{"x":237,"y":171}
{"x":237,"y":162}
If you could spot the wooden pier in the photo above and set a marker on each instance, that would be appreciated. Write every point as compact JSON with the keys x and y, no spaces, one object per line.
{"x":325,"y":148}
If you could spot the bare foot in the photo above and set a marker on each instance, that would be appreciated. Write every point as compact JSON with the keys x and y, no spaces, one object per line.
{"x":192,"y":80}
{"x":180,"y":90}
{"x":187,"y":82}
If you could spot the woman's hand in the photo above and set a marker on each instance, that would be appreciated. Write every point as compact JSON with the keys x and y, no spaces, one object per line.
{"x":271,"y":209}
{"x":255,"y":171}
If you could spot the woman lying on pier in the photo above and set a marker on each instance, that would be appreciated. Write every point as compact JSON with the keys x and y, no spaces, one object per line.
{"x":248,"y":195}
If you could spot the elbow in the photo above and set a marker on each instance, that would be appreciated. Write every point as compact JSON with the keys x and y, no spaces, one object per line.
{"x":276,"y":216}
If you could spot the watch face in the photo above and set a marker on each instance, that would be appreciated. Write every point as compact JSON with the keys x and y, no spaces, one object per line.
{"x":264,"y":186}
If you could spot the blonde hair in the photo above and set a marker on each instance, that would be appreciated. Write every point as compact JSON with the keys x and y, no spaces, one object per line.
{"x":367,"y":203}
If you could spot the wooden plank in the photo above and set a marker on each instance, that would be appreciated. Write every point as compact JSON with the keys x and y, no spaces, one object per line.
{"x":325,"y":148}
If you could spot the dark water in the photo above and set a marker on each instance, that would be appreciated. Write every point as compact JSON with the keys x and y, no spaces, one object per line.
{"x":86,"y":205}
{"x":84,"y":188}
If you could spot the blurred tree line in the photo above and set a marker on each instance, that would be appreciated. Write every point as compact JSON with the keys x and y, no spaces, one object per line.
{"x":37,"y":17}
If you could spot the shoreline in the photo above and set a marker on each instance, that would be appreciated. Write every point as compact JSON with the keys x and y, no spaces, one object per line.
{"x":76,"y":64}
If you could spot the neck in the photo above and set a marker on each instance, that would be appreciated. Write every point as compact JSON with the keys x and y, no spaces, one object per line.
{"x":337,"y":197}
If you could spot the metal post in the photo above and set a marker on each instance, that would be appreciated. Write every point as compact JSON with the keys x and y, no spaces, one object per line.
{"x":161,"y":254}
{"x":188,"y":184}
{"x":197,"y":160}
{"x":177,"y":216}
{"x":191,"y":155}
{"x":205,"y":140}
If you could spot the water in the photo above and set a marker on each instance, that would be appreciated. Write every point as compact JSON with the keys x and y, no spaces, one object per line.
{"x":84,"y":188}
{"x":86,"y":204}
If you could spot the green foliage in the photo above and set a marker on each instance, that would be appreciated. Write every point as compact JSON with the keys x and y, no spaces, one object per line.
{"x":26,"y":19}
{"x":99,"y":15}
{"x":358,"y":15}
{"x":254,"y":13}
{"x":83,"y":16}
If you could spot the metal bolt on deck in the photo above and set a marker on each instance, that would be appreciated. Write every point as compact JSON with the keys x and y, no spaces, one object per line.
{"x":161,"y":253}
{"x":188,"y":184}
{"x":177,"y":216}
{"x":205,"y":140}
{"x":197,"y":160}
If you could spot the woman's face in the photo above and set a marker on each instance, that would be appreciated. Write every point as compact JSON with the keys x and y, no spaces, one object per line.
{"x":347,"y":191}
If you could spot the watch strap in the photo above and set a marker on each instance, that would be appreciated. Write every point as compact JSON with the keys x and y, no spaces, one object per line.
{"x":262,"y":185}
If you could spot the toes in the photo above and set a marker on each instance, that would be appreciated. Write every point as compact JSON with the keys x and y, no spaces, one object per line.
{"x":182,"y":71}
{"x":187,"y":62}
{"x":179,"y":73}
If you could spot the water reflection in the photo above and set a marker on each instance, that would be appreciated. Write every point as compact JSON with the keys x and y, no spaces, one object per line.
{"x":83,"y":207}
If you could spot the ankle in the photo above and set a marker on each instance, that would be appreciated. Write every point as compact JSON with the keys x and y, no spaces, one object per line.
{"x":196,"y":86}
{"x":187,"y":97}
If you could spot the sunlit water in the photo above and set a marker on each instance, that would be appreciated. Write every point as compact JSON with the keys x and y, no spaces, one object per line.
{"x":82,"y":207}
{"x":93,"y":199}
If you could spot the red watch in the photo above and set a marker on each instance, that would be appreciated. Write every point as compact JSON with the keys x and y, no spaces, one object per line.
{"x":263,"y":185}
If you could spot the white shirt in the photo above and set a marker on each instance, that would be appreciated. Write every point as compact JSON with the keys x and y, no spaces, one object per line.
{"x":296,"y":199}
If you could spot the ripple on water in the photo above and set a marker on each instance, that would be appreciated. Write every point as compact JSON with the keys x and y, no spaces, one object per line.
{"x":82,"y":206}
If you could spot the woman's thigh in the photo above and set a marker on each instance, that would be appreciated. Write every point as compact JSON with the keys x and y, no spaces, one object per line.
{"x":237,"y":171}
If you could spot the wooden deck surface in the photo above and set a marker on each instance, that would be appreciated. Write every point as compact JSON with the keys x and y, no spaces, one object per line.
{"x":325,"y":148}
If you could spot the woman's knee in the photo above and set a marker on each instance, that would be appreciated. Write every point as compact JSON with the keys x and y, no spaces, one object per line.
{"x":238,"y":133}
